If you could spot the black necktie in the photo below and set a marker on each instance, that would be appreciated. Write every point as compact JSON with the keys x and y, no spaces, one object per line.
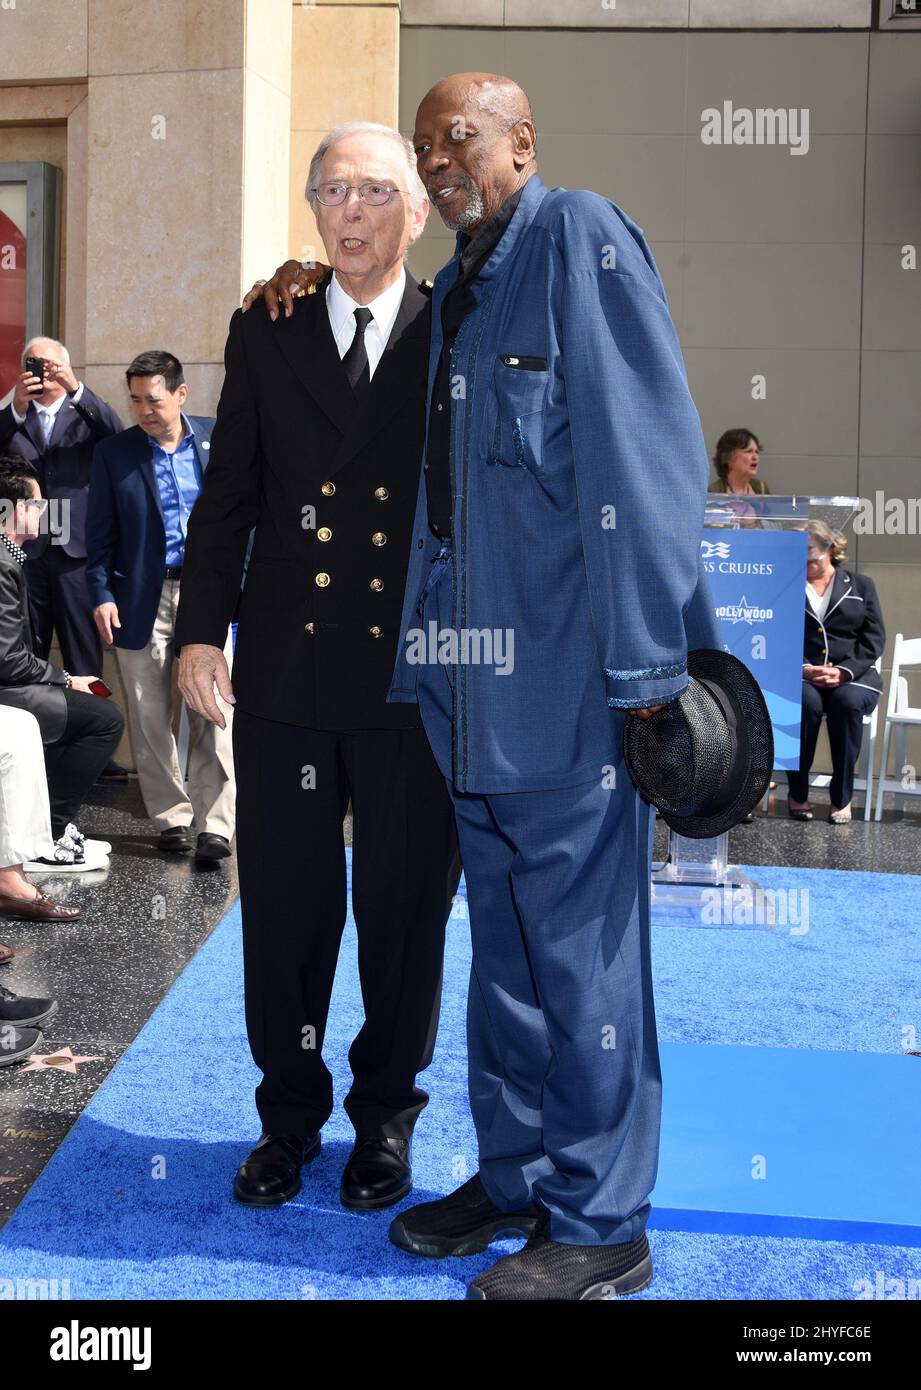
{"x":357,"y":368}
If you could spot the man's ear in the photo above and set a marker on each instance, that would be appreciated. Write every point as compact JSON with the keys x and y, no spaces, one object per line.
{"x":524,"y":143}
{"x":182,"y":392}
{"x":420,"y":216}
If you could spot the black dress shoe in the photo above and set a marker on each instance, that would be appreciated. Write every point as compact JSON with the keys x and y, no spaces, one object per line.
{"x":178,"y":839}
{"x":211,"y":846}
{"x":113,"y":772}
{"x":545,"y":1269}
{"x":377,"y":1174}
{"x":463,"y":1223}
{"x":271,"y":1174}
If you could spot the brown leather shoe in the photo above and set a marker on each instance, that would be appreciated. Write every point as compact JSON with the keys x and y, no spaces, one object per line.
{"x":38,"y":909}
{"x":6,"y":953}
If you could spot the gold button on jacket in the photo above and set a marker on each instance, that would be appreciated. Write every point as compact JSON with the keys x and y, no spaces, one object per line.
{"x":324,"y":534}
{"x":378,"y":538}
{"x":328,"y":489}
{"x":381,"y":493}
{"x":322,"y":580}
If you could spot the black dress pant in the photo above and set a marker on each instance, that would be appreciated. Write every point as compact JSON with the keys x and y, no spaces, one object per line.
{"x":844,"y":707}
{"x":74,"y":761}
{"x":293,"y":790}
{"x":59,"y":601}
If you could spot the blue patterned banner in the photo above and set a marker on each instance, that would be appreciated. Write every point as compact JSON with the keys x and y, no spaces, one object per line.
{"x":758,"y":580}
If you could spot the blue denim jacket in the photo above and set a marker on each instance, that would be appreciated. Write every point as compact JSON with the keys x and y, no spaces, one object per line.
{"x":579,"y":476}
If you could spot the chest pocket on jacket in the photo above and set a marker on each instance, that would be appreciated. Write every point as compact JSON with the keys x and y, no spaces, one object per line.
{"x":519,"y":396}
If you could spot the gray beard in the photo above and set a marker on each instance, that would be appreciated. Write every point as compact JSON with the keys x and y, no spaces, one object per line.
{"x":471,"y":214}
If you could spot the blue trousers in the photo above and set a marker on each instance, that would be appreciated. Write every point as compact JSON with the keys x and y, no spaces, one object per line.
{"x":563,"y":1060}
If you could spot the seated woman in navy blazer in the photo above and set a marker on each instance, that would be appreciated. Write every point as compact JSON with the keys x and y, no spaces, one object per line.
{"x":844,"y":637}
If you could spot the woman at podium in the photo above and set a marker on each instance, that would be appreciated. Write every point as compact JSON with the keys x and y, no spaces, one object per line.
{"x":736,"y":459}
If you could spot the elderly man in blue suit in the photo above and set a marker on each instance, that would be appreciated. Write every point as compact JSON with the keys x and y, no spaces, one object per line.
{"x":144,"y":484}
{"x":555,"y":589}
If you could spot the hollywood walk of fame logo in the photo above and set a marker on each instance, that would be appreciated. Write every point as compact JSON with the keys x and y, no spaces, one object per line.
{"x":62,"y":1060}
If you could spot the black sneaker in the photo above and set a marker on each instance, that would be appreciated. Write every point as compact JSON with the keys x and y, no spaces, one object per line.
{"x":16,"y":1044}
{"x":463,"y":1223}
{"x":545,"y":1269}
{"x":24,"y":1011}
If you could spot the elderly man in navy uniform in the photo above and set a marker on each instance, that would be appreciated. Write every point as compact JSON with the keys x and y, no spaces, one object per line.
{"x":317,"y":445}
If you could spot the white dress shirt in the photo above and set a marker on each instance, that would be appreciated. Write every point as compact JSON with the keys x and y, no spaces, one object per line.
{"x":341,"y":309}
{"x":819,"y":602}
{"x":53,"y":408}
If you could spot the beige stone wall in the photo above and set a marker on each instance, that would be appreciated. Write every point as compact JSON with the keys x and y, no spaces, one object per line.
{"x":344,"y":67}
{"x":171,"y":123}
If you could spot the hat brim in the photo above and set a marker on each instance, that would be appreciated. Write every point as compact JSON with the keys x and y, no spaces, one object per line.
{"x":756,"y":743}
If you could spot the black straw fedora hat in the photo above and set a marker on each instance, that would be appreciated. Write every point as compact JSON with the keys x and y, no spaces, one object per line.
{"x":705,"y":759}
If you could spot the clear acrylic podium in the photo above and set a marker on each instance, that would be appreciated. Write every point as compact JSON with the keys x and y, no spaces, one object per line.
{"x":697,"y":874}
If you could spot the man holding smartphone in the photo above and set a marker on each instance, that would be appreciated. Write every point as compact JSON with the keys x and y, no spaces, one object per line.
{"x":79,"y":730}
{"x":55,"y":422}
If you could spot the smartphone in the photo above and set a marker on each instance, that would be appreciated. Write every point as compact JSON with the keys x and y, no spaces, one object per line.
{"x":36,"y":365}
{"x":99,"y":688}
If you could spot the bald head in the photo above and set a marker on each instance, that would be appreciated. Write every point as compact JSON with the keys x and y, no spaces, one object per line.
{"x":475,"y":145}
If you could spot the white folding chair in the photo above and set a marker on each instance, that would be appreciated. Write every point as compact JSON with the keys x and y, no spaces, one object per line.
{"x":866,"y":761}
{"x":900,"y":717}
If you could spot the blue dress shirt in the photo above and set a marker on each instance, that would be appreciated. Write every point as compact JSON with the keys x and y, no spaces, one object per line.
{"x":179,"y":477}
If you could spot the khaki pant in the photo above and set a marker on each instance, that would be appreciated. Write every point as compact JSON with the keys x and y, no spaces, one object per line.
{"x":147,"y":676}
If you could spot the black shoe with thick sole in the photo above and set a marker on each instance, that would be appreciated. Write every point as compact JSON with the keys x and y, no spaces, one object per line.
{"x":25,"y":1011}
{"x":378,"y":1173}
{"x":545,"y":1269}
{"x":271,"y":1175}
{"x":178,"y":839}
{"x":211,"y":846}
{"x":16,"y":1044}
{"x":464,"y":1223}
{"x":113,"y":772}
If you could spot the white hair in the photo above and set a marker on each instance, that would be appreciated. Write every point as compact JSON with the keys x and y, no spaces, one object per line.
{"x":414,"y":185}
{"x":43,"y":338}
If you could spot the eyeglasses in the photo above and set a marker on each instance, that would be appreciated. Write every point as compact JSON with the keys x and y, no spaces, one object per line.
{"x":333,"y":195}
{"x":35,"y":502}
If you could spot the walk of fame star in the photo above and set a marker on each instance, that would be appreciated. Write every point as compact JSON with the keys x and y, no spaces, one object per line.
{"x":62,"y":1060}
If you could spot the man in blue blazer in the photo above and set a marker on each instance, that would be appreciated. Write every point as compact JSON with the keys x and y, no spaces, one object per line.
{"x":144,"y":484}
{"x":56,"y":429}
{"x":554,"y":590}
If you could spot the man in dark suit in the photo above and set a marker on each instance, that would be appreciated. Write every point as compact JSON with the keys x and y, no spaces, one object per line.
{"x":56,"y":429}
{"x":317,"y":445}
{"x":79,"y":729}
{"x":145,"y":482}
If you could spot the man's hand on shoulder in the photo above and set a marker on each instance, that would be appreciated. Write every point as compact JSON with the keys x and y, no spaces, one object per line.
{"x":201,"y":668}
{"x":289,"y":282}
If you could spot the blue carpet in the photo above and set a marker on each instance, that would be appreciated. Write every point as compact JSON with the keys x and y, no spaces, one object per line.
{"x":137,"y":1203}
